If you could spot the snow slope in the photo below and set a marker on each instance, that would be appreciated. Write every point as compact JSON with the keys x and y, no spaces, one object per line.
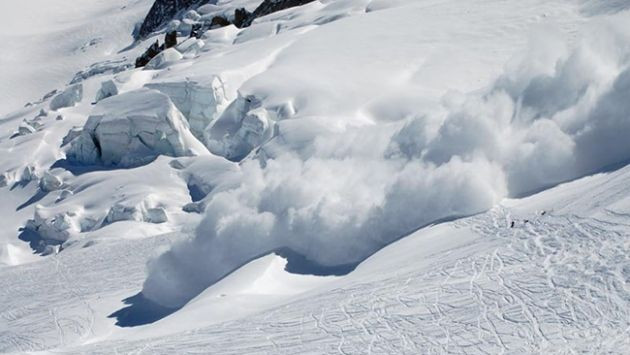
{"x":346,"y":176}
{"x":46,"y":43}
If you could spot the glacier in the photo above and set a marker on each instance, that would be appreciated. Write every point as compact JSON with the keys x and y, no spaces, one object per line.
{"x":339,"y":176}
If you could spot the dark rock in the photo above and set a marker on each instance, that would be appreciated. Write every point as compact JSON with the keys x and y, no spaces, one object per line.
{"x":218,"y":22}
{"x":270,"y":6}
{"x":196,"y":31}
{"x":151,"y":52}
{"x":170,"y":39}
{"x":241,"y":18}
{"x":163,"y":11}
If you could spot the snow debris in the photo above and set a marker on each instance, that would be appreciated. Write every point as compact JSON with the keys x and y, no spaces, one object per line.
{"x":64,"y":194}
{"x":164,"y":59}
{"x":194,"y":207}
{"x":59,"y":227}
{"x":192,"y":15}
{"x":108,"y":89}
{"x":155,"y":215}
{"x":243,"y":126}
{"x":28,"y":174}
{"x":73,"y":133}
{"x":120,"y":212}
{"x":25,"y":128}
{"x":190,"y":47}
{"x":68,"y":98}
{"x":49,"y":182}
{"x":173,"y":25}
{"x":108,"y":66}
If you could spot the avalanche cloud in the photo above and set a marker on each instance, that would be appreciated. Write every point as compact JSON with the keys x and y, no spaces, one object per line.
{"x":337,"y":193}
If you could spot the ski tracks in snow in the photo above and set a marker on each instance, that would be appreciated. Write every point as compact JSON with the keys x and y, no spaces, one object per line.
{"x":553,"y":284}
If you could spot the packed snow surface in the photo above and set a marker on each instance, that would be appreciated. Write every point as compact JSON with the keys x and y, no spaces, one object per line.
{"x":347,"y":176}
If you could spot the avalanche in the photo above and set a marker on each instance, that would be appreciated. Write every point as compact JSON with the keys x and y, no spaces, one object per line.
{"x":396,"y":176}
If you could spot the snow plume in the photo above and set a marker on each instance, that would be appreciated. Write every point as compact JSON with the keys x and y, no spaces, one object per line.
{"x":338,"y":195}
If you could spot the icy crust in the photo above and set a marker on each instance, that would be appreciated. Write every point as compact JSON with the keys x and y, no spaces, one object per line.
{"x":198,"y":101}
{"x":243,"y":126}
{"x":132,"y":129}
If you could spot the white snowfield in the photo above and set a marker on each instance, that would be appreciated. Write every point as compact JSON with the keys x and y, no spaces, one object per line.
{"x":347,"y":176}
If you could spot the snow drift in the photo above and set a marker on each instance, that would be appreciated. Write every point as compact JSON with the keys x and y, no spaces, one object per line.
{"x":343,"y":193}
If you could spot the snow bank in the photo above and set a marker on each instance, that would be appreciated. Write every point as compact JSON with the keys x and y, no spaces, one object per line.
{"x":337,"y":193}
{"x":132,"y":129}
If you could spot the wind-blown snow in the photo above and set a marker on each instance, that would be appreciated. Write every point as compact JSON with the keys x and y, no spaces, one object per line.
{"x":323,"y":133}
{"x":344,"y":192}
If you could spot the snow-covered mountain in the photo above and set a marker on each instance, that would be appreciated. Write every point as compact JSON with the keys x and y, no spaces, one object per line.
{"x":329,"y":176}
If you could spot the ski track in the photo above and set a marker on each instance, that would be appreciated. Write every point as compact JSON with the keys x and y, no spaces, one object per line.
{"x":55,"y":304}
{"x":556,"y":284}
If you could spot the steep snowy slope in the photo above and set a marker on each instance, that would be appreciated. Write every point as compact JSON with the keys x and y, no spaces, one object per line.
{"x":344,"y":176}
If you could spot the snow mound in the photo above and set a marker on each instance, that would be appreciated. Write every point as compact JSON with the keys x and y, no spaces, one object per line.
{"x":132,"y":129}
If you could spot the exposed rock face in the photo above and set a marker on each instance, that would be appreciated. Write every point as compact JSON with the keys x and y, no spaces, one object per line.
{"x":163,"y":11}
{"x":146,"y":57}
{"x":267,"y":7}
{"x":170,"y":39}
{"x":132,"y":129}
{"x":218,"y":22}
{"x":241,"y":17}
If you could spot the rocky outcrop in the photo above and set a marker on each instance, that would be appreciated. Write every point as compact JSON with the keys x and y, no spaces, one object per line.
{"x":243,"y":19}
{"x":163,"y":11}
{"x":149,"y":54}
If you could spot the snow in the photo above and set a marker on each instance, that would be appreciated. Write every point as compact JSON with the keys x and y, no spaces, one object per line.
{"x":164,"y":59}
{"x":131,"y":129}
{"x":68,"y":98}
{"x":353,"y":176}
